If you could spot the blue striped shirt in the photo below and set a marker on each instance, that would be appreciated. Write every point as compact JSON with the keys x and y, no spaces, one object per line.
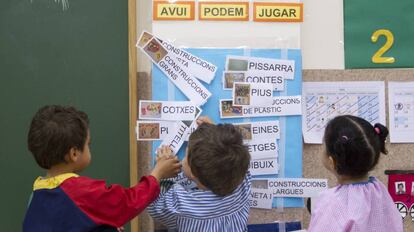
{"x":202,"y":210}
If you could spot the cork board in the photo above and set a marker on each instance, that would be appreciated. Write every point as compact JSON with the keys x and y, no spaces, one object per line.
{"x":398,"y":157}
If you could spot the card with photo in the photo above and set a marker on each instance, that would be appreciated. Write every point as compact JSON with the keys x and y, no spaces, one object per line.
{"x":245,"y":130}
{"x":400,"y":188}
{"x":153,"y":130}
{"x":241,"y":94}
{"x":148,"y":131}
{"x":230,"y":77}
{"x":252,"y":94}
{"x":150,"y":110}
{"x":237,"y":64}
{"x":260,"y":184}
{"x":144,"y":38}
{"x":227,"y":110}
{"x":259,"y":130}
{"x":154,"y":50}
{"x":167,"y":110}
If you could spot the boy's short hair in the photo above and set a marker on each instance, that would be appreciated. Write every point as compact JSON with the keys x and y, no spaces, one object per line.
{"x":218,"y":157}
{"x":54,"y":130}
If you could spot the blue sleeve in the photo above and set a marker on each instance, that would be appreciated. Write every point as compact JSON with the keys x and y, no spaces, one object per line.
{"x":165,"y":208}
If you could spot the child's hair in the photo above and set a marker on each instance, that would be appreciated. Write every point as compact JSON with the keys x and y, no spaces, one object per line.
{"x":354,"y":144}
{"x":218,"y":157}
{"x":54,"y":130}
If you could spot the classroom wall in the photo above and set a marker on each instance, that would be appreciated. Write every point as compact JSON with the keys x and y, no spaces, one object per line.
{"x":322,"y":37}
{"x":399,"y":156}
{"x":321,"y":34}
{"x":323,"y":60}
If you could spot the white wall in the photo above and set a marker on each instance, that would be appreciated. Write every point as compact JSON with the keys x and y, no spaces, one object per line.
{"x":320,"y":36}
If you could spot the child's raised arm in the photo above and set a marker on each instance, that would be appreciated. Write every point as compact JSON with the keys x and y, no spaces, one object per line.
{"x":166,"y":167}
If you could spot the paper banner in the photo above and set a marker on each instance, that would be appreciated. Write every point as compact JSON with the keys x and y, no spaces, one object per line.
{"x":167,"y":110}
{"x":168,"y":63}
{"x":230,"y":77}
{"x":262,"y":149}
{"x":177,"y":10}
{"x":268,"y":166}
{"x":223,"y":11}
{"x":259,"y":130}
{"x":176,"y":139}
{"x":297,"y":187}
{"x":277,"y":12}
{"x":260,"y":198}
{"x":153,"y":130}
{"x":252,"y":94}
{"x":285,"y":68}
{"x":282,"y":106}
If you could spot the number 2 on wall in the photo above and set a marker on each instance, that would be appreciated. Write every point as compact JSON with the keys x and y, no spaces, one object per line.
{"x":377,"y":57}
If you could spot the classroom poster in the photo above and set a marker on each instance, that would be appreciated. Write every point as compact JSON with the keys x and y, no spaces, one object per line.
{"x":289,"y":143}
{"x":401,"y":111}
{"x":325,"y":100}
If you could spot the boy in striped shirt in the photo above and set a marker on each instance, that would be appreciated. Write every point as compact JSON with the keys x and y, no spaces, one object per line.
{"x":217,"y":161}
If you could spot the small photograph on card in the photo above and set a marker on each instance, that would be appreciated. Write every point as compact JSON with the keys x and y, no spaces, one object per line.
{"x":149,"y":130}
{"x":241,"y":94}
{"x":260,"y":184}
{"x":145,"y":37}
{"x":155,"y":50}
{"x":151,"y":110}
{"x":400,"y":187}
{"x":230,"y":77}
{"x":245,"y":130}
{"x":234,"y":64}
{"x":228,"y":110}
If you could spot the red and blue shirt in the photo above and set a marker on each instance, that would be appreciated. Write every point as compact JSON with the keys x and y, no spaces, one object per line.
{"x":69,"y":202}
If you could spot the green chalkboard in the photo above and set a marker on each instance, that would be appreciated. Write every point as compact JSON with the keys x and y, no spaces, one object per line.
{"x":378,"y":34}
{"x":51,"y":53}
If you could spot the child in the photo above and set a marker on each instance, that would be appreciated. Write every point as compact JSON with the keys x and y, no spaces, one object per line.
{"x":359,"y":202}
{"x":217,"y":161}
{"x":63,"y":201}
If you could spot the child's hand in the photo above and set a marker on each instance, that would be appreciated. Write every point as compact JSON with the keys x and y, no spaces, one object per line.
{"x":164,"y":151}
{"x":204,"y":119}
{"x":166,"y":167}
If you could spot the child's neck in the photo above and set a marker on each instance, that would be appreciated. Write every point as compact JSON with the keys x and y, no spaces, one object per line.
{"x":351,"y":180}
{"x":59,"y":169}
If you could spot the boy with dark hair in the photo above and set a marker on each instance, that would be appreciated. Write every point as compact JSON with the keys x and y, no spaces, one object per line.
{"x":64,"y":201}
{"x":217,"y":161}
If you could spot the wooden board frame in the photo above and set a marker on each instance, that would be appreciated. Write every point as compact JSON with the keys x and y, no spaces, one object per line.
{"x":132,"y":79}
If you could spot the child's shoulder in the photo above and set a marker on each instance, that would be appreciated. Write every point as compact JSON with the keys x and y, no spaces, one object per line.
{"x":361,"y":192}
{"x":79,"y":183}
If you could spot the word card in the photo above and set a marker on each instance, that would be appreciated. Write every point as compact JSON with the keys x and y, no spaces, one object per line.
{"x":167,"y":110}
{"x":252,"y":94}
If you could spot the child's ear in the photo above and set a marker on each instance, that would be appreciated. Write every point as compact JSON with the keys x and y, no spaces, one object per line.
{"x":72,"y":155}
